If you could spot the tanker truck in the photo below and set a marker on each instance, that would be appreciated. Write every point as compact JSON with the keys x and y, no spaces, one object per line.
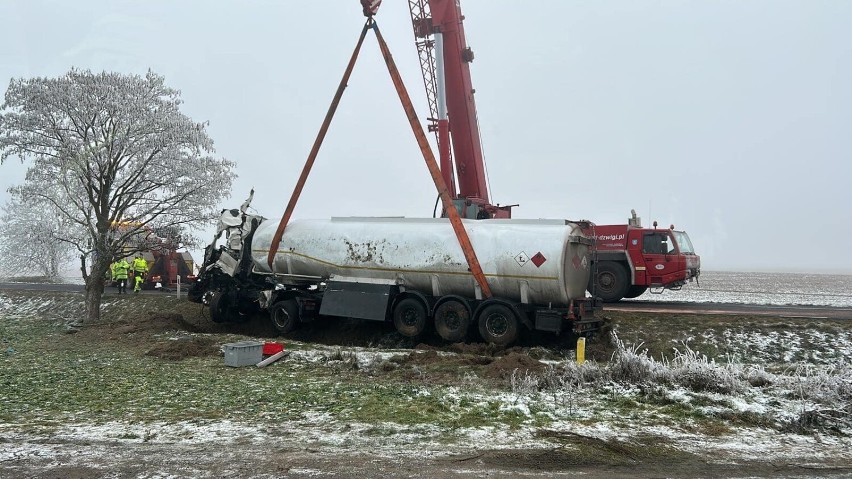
{"x":407,"y":271}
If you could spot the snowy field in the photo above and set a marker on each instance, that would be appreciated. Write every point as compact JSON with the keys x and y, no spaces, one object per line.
{"x":763,"y":288}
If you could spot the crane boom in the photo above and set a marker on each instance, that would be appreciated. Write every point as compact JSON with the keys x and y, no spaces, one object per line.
{"x":444,"y":60}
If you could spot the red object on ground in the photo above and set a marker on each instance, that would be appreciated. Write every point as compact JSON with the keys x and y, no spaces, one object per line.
{"x":272,"y":348}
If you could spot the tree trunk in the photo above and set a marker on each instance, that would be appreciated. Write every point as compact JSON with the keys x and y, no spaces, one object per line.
{"x":95,"y":289}
{"x":93,"y":302}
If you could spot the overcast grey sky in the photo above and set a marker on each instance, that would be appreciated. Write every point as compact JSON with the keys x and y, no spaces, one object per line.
{"x":730,"y":119}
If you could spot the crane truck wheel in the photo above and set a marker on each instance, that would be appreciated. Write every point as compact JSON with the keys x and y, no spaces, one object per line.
{"x":610,"y":281}
{"x":409,"y":317}
{"x":498,"y":324}
{"x":635,"y":291}
{"x":452,"y":320}
{"x":284,"y":315}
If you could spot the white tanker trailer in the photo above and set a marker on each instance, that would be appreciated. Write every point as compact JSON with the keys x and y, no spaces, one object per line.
{"x":409,"y":271}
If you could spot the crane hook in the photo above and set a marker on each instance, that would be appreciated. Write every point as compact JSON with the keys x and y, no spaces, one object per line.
{"x":370,"y":7}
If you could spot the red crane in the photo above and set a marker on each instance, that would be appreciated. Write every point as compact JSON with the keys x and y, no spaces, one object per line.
{"x":445,"y":62}
{"x":621,"y":269}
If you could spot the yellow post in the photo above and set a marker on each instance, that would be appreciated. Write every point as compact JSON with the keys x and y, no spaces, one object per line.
{"x":581,"y":351}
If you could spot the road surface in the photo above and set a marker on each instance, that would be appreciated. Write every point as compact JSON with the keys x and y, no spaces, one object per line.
{"x":71,"y":288}
{"x":792,"y":311}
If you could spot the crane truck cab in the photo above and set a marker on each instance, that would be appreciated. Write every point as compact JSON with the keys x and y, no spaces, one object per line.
{"x":628,"y":259}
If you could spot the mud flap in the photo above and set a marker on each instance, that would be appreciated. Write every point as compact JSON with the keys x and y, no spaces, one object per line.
{"x":548,"y":320}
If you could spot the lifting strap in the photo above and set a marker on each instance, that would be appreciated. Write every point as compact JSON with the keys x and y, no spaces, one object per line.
{"x":419,"y":134}
{"x":279,"y":233}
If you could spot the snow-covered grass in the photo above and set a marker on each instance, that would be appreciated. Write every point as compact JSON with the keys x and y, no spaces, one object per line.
{"x":335,"y":398}
{"x":806,"y":398}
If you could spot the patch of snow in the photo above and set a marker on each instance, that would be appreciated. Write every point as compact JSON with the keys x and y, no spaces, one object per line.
{"x":833,"y":290}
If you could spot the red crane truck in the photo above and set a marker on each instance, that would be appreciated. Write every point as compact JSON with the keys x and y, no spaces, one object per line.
{"x":627,"y":260}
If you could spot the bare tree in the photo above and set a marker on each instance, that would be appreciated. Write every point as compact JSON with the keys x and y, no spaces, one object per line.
{"x":109,"y":149}
{"x":34,"y":239}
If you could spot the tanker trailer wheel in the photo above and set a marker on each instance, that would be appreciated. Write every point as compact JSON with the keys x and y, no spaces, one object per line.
{"x":284,"y":315}
{"x":409,"y":317}
{"x":635,"y":291}
{"x":452,"y":320}
{"x":498,"y":324}
{"x":610,"y":281}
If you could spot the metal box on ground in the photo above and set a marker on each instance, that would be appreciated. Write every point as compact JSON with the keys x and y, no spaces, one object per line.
{"x":243,"y":353}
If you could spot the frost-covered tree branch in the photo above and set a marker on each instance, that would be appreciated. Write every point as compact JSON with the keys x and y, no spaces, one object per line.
{"x":34,"y":239}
